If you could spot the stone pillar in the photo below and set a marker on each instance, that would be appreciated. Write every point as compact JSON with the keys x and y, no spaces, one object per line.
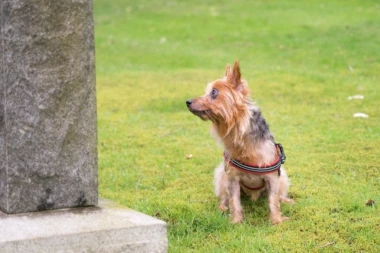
{"x":48,"y":138}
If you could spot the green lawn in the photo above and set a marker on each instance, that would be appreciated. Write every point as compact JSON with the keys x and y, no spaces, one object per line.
{"x":302,"y":60}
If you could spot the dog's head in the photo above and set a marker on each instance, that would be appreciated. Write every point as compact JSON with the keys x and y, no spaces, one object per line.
{"x":224,"y":99}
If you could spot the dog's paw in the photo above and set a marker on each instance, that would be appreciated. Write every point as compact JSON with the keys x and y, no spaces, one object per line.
{"x":223,"y":208}
{"x":277,"y":219}
{"x":287,"y":200}
{"x":237,"y":219}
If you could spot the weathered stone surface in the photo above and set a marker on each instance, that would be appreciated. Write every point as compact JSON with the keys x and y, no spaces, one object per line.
{"x":48,"y":152}
{"x":108,"y":228}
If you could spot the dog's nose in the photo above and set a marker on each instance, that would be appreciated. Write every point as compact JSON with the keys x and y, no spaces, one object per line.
{"x":188,"y":102}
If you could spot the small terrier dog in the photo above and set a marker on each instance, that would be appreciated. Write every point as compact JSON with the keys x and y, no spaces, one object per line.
{"x":252,"y":158}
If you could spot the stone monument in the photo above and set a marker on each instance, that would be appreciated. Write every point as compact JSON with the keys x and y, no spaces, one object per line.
{"x":48,"y":145}
{"x":48,"y":138}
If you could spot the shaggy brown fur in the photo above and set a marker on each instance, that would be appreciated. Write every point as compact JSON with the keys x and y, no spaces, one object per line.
{"x":238,"y":124}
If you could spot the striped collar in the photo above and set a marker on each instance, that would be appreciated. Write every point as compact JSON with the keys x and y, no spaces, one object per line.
{"x":260,"y":170}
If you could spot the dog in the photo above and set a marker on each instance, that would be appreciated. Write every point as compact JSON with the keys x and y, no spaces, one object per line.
{"x":252,"y":160}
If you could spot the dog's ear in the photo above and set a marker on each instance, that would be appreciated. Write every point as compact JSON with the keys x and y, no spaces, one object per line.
{"x":228,"y":70}
{"x":236,"y":76}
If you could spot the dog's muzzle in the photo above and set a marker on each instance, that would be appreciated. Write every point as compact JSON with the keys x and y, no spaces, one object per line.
{"x":189,"y":102}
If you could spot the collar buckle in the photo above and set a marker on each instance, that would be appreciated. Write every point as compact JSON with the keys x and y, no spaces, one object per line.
{"x":281,"y":153}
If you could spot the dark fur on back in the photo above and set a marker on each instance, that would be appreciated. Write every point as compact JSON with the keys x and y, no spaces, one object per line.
{"x":259,"y":127}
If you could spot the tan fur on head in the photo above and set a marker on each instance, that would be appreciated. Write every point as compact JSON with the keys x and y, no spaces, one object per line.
{"x":229,"y":110}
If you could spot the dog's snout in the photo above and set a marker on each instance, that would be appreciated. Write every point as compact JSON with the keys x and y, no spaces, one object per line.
{"x":188,"y":102}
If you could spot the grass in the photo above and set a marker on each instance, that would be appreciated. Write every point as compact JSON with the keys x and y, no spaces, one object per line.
{"x":301,"y":59}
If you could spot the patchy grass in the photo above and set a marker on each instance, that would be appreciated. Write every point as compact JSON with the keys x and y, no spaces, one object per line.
{"x":301,"y":59}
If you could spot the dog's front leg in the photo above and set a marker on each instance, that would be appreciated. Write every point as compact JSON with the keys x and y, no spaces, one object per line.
{"x":234,"y":201}
{"x":274,"y":200}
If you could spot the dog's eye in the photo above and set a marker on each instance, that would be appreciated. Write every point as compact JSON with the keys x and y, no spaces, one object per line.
{"x":214,"y":93}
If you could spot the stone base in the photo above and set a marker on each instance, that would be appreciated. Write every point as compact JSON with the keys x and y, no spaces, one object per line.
{"x":107,"y":227}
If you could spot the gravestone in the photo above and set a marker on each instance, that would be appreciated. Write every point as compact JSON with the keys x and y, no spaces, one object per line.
{"x":48,"y":139}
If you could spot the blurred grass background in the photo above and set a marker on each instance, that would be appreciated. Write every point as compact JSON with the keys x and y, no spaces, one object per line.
{"x":302,"y":60}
